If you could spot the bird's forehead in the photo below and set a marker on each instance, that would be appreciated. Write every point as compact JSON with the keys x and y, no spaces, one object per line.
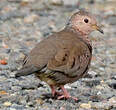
{"x":83,"y":15}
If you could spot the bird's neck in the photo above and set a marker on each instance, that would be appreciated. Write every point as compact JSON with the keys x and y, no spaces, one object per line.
{"x":80,"y":34}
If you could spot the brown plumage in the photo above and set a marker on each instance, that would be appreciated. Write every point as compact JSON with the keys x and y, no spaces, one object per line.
{"x":63,"y":57}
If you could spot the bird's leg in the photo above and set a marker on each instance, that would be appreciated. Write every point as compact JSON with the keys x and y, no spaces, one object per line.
{"x":66,"y":94}
{"x":54,"y":92}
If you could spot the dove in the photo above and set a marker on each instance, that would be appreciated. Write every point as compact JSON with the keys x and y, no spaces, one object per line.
{"x":63,"y":57}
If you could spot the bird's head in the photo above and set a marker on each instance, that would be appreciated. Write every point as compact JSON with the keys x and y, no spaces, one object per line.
{"x":84,"y":22}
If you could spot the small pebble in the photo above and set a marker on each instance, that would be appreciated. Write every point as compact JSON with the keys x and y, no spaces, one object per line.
{"x":85,"y":105}
{"x":39,"y":101}
{"x":30,"y":18}
{"x":7,"y":104}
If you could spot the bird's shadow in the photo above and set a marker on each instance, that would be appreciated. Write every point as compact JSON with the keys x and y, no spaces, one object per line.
{"x":48,"y":96}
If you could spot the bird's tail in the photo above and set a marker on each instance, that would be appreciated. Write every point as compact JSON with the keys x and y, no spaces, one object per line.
{"x":26,"y":71}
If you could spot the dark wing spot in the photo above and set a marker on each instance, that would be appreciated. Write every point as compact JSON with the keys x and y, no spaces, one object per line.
{"x":73,"y":63}
{"x":65,"y":57}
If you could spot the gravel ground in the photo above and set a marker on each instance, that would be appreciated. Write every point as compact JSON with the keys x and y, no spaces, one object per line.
{"x":23,"y":23}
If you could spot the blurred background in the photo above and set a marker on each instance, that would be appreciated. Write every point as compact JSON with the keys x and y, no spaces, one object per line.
{"x":23,"y":23}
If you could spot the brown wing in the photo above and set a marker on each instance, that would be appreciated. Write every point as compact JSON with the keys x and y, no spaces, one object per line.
{"x":71,"y":61}
{"x":40,"y":55}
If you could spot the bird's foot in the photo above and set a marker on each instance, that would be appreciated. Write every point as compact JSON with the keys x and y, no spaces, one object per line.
{"x":66,"y":95}
{"x":63,"y":94}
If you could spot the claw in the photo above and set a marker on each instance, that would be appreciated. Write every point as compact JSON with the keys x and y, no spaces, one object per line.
{"x":63,"y":96}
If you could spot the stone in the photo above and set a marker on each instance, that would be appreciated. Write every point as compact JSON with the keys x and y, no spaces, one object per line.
{"x":85,"y":105}
{"x":7,"y":104}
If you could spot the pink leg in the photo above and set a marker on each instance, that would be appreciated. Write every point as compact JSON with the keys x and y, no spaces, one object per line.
{"x":54,"y":92}
{"x":66,"y":94}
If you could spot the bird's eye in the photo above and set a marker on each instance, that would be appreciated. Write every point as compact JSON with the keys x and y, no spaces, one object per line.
{"x":86,"y":20}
